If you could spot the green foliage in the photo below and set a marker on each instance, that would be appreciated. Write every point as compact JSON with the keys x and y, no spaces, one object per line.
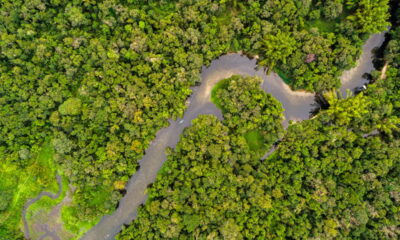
{"x":332,"y":9}
{"x":249,"y":111}
{"x":71,"y":106}
{"x":255,"y":140}
{"x":276,"y":48}
{"x":322,"y":25}
{"x":287,"y":79}
{"x":19,"y":184}
{"x":344,"y":111}
{"x":100,"y":78}
{"x":335,"y":176}
{"x":222,"y":84}
{"x":392,"y":51}
{"x":46,"y":203}
{"x":326,"y":180}
{"x":371,"y":16}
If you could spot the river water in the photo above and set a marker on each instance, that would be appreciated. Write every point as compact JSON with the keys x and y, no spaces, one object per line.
{"x":297,"y":107}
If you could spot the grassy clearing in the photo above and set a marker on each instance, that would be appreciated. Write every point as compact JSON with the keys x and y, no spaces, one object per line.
{"x":20,"y":184}
{"x":45,"y":156}
{"x":40,"y":212}
{"x":255,"y":140}
{"x":46,"y":162}
{"x":323,"y":25}
{"x":327,"y":25}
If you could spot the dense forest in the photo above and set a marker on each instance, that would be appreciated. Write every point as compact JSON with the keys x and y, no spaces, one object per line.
{"x":249,"y":112}
{"x":85,"y":85}
{"x":336,"y":176}
{"x":211,"y":164}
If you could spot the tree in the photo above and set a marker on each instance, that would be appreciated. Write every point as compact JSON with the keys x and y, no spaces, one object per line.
{"x":72,"y":106}
{"x":371,"y":16}
{"x":392,"y":51}
{"x":345,"y":111}
{"x":333,"y":8}
{"x":276,"y":48}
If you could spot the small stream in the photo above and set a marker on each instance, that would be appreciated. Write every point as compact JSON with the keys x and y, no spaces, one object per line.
{"x":33,"y":200}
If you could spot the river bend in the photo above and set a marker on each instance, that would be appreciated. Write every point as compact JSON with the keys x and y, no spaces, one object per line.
{"x":297,"y":107}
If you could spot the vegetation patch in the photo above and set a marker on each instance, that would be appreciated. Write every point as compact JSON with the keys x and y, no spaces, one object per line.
{"x":102,"y":78}
{"x":46,"y":211}
{"x":46,"y":203}
{"x":323,"y":25}
{"x":334,"y":14}
{"x":285,"y":76}
{"x":75,"y":225}
{"x":28,"y":183}
{"x":247,"y":107}
{"x":255,"y":140}
{"x":218,"y":86}
{"x":78,"y":225}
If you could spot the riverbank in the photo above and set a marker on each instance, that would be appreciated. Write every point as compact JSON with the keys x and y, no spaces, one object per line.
{"x":354,"y":77}
{"x":297,"y":107}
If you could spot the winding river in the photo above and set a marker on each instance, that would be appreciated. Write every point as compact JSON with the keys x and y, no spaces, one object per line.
{"x":297,"y":107}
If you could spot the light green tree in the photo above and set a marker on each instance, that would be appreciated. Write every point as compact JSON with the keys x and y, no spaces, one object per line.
{"x":277,"y":48}
{"x":71,"y":106}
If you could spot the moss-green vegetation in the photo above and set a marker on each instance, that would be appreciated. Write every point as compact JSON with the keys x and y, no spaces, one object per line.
{"x":46,"y":203}
{"x":323,"y":25}
{"x":285,"y":77}
{"x":69,"y":214}
{"x":330,"y":24}
{"x":255,"y":140}
{"x":40,"y":212}
{"x":220,"y":85}
{"x":101,"y":78}
{"x":328,"y":18}
{"x":19,"y":184}
{"x":75,"y":225}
